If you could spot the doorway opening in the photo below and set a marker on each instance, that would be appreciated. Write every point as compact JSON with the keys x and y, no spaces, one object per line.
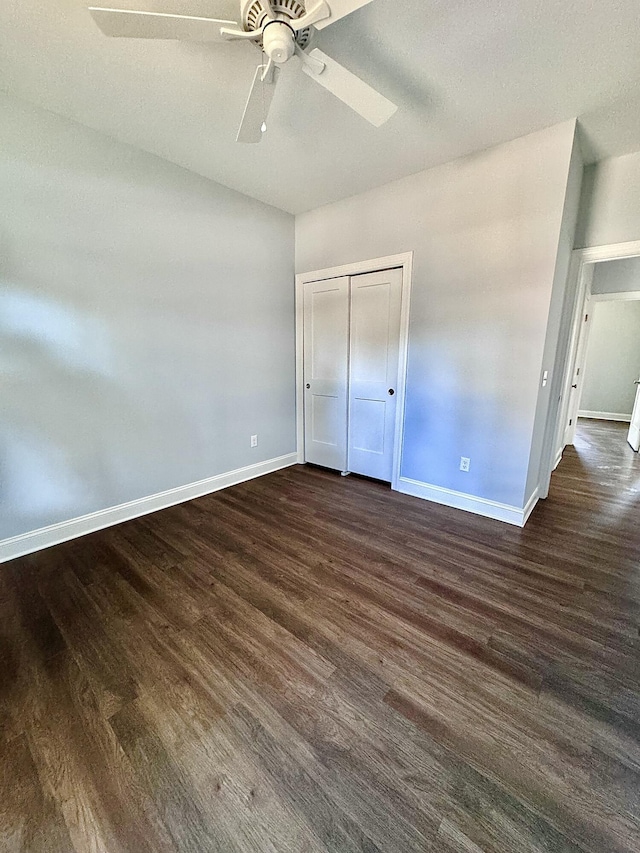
{"x":599,"y":413}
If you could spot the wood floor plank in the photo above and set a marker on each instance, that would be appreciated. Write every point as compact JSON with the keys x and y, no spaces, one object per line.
{"x":239,"y":799}
{"x":337,"y":832}
{"x":59,"y":746}
{"x":120,"y":793}
{"x":176,"y":800}
{"x":579,"y":809}
{"x":30,"y":820}
{"x":455,"y":840}
{"x":85,"y":635}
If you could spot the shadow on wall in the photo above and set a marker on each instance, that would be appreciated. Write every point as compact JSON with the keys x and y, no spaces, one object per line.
{"x":464,"y":407}
{"x":45,"y":454}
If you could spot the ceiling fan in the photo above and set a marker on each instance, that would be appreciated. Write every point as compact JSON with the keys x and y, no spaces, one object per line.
{"x":281,"y":29}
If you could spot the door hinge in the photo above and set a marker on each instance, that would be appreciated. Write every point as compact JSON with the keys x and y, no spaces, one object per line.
{"x":570,"y":421}
{"x":578,"y":372}
{"x":586,"y":317}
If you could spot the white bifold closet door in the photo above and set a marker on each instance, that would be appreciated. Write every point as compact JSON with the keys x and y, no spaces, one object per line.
{"x":326,"y":371}
{"x":373,"y":372}
{"x":351,"y":351}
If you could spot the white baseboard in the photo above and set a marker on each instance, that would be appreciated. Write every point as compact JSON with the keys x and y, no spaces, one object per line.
{"x":469,"y":503}
{"x":530,"y":506}
{"x":605,"y":416}
{"x":54,"y":534}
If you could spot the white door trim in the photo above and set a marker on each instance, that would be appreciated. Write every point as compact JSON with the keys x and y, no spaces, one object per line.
{"x":580,"y":274}
{"x":611,"y":252}
{"x":582,"y":326}
{"x":625,"y":296}
{"x":403,"y":261}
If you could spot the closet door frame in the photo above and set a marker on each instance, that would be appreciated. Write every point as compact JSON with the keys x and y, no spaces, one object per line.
{"x":405,"y":263}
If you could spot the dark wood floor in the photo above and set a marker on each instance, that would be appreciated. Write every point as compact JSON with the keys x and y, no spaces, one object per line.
{"x":311,"y":663}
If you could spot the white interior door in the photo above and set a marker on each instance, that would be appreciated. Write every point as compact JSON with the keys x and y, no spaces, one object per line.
{"x":577,"y":376}
{"x":634,"y":428}
{"x":326,"y":361}
{"x":373,"y":372}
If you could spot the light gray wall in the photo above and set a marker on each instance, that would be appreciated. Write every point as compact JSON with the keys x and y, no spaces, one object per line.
{"x":613,"y":358}
{"x":610,"y":210}
{"x":486,"y":233}
{"x":146,"y":324}
{"x":619,"y":276}
{"x":557,"y":338}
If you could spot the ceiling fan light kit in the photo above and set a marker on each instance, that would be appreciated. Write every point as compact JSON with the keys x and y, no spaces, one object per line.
{"x":281,"y":29}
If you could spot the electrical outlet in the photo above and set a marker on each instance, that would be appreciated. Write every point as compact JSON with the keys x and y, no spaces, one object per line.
{"x":254,"y":441}
{"x":465,"y":462}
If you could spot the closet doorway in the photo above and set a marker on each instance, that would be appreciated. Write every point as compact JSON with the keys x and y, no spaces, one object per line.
{"x":352,"y":329}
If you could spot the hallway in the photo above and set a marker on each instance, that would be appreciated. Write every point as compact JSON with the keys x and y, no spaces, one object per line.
{"x":600,"y":474}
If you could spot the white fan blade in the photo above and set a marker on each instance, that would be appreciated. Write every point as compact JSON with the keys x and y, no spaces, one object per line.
{"x":258,"y":103}
{"x":340,"y":9}
{"x":350,"y":89}
{"x":123,"y":23}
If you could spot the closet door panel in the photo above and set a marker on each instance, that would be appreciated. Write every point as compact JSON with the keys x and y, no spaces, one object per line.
{"x":374,"y":343}
{"x":326,"y":357}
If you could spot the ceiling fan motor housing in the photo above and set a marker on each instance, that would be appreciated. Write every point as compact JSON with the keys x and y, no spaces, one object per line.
{"x":278,"y":42}
{"x":276,"y":38}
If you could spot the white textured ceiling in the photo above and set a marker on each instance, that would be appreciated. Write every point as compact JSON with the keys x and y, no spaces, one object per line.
{"x":467,"y":74}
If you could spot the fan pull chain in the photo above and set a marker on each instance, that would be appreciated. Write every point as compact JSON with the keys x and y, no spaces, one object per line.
{"x":263,"y":127}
